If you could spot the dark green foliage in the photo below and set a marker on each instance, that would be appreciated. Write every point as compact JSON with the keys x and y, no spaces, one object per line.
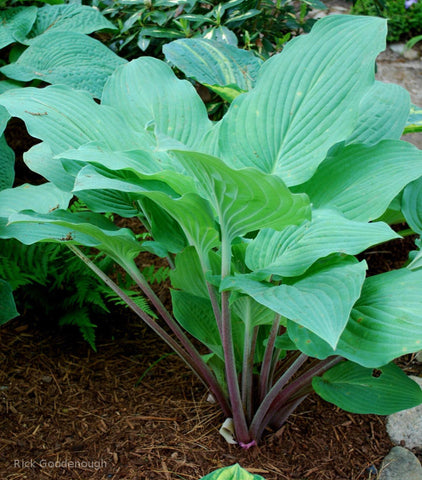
{"x":403,"y":23}
{"x":263,"y":26}
{"x":62,"y":287}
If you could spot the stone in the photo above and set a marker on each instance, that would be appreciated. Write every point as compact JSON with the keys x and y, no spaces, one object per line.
{"x":400,"y":464}
{"x":411,"y":54}
{"x":418,"y":356}
{"x":405,"y":427}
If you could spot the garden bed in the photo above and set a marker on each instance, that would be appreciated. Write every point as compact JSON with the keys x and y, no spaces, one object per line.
{"x":61,"y":402}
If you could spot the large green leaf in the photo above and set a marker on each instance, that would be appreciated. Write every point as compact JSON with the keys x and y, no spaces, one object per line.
{"x":39,"y":198}
{"x":412,"y":205}
{"x":306,"y":99}
{"x":147,"y":93}
{"x":196,"y":316}
{"x":247,"y":199}
{"x":292,"y":251}
{"x":71,"y":18}
{"x":235,"y":472}
{"x":7,"y":164}
{"x":383,"y":114}
{"x":66,"y":118}
{"x":194,"y":216}
{"x":8,"y":307}
{"x":320,"y":301}
{"x":67,"y":58}
{"x":362,"y":181}
{"x":362,"y":390}
{"x":214,"y":63}
{"x":188,"y":274}
{"x":15,"y":23}
{"x":87,"y":229}
{"x":385,"y":323}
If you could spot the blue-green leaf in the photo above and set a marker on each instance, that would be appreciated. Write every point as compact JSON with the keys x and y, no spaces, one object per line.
{"x":363,"y":390}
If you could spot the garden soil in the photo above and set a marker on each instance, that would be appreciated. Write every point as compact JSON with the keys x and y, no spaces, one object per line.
{"x":133,"y":410}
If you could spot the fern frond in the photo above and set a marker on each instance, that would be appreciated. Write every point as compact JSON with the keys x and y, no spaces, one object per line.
{"x":137,"y":298}
{"x":156,"y":275}
{"x":79,"y":317}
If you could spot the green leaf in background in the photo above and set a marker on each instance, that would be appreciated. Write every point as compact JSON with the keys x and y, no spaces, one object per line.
{"x":39,"y":198}
{"x":247,"y":199}
{"x":363,"y":390}
{"x":414,"y":121}
{"x":292,"y":251}
{"x":68,"y":18}
{"x":194,"y":216}
{"x":320,"y":301}
{"x":412,"y":205}
{"x":361,"y":181}
{"x":66,"y":118}
{"x":196,"y":316}
{"x":8,"y":308}
{"x":291,"y":123}
{"x":15,"y":23}
{"x":213,"y":63}
{"x":67,"y":58}
{"x":7,"y":164}
{"x":147,"y":93}
{"x":221,"y":34}
{"x":188,"y":274}
{"x":383,"y":114}
{"x":235,"y":472}
{"x":385,"y":323}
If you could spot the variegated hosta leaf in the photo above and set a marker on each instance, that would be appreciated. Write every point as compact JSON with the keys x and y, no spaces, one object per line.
{"x":385,"y":323}
{"x":412,"y":205}
{"x":306,"y":99}
{"x":235,"y":472}
{"x":244,"y":200}
{"x":214,"y":63}
{"x":414,"y":121}
{"x":292,"y":251}
{"x":362,"y":390}
{"x":362,"y":181}
{"x":320,"y":301}
{"x":383,"y":114}
{"x":148,"y":94}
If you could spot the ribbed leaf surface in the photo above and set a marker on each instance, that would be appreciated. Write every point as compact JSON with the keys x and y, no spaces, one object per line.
{"x":247,"y":199}
{"x":362,"y":181}
{"x":320,"y":301}
{"x":66,"y":58}
{"x":306,"y":99}
{"x":148,"y":94}
{"x":292,"y":251}
{"x":213,"y":63}
{"x":15,"y":23}
{"x":361,"y":390}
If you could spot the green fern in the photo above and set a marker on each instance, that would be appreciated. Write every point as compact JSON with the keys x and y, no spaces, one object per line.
{"x":79,"y":317}
{"x":138,"y":299}
{"x":156,"y":275}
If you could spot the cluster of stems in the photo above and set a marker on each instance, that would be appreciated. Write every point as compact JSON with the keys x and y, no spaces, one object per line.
{"x":254,"y":402}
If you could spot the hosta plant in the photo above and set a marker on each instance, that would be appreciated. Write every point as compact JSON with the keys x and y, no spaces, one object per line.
{"x":260,"y":216}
